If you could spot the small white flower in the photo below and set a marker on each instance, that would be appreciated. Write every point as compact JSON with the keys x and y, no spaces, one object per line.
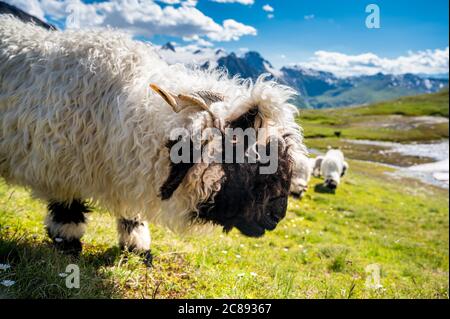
{"x":285,"y":249}
{"x":4,"y":266}
{"x":238,"y":256}
{"x":241,"y":245}
{"x":7,"y":283}
{"x":254,"y":274}
{"x":224,"y":252}
{"x":58,"y":240}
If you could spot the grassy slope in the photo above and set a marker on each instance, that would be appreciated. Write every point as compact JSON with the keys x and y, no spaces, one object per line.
{"x":366,"y":122}
{"x":320,"y":250}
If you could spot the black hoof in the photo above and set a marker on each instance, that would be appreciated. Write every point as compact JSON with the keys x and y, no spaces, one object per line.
{"x":72,"y":247}
{"x":147,"y":258}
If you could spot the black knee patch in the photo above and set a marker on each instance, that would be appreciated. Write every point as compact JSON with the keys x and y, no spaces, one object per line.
{"x":128,"y":224}
{"x":65,"y":213}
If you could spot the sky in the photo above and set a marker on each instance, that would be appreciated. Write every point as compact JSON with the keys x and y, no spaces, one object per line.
{"x":329,"y":35}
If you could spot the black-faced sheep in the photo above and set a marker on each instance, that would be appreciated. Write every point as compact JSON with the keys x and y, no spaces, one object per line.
{"x":78,"y":122}
{"x":301,"y":174}
{"x":333,"y":167}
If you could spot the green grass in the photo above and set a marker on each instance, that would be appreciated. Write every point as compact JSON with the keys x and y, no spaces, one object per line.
{"x":389,"y":121}
{"x":321,"y":249}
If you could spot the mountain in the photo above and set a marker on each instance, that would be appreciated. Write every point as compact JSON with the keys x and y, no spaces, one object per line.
{"x":322,"y":89}
{"x":22,"y":15}
{"x":317,"y":89}
{"x":168,"y":46}
{"x":250,"y":65}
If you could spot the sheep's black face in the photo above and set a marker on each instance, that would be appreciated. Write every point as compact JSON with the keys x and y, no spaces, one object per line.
{"x":248,"y":200}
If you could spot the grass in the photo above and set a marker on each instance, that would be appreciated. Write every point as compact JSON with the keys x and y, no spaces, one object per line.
{"x":321,"y":249}
{"x":388,"y":121}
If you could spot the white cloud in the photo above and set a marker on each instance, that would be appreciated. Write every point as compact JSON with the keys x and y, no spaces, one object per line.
{"x":309,"y":17}
{"x":141,"y":18}
{"x":231,"y":30}
{"x":268,"y":8}
{"x":428,"y":61}
{"x":32,"y":7}
{"x":244,"y":2}
{"x":270,"y":16}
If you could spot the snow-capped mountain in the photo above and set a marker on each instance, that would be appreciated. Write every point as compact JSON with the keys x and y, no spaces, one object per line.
{"x":317,"y":89}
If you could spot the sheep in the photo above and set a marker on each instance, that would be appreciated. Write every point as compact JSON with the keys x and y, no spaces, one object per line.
{"x":300,"y":176}
{"x":87,"y":117}
{"x":333,"y":167}
{"x":317,"y":165}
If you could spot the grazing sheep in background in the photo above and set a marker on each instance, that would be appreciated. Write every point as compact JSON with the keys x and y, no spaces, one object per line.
{"x":333,"y":167}
{"x":317,"y":165}
{"x":78,"y":122}
{"x":301,"y":174}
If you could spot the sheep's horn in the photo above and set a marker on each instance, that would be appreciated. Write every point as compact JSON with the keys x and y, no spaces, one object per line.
{"x":210,"y":97}
{"x":168,"y":97}
{"x":197,"y":100}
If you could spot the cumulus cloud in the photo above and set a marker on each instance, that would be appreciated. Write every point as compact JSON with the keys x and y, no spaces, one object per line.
{"x":245,"y":2}
{"x":32,"y":7}
{"x":309,"y":17}
{"x":178,"y":18}
{"x":268,"y":8}
{"x":343,"y":65}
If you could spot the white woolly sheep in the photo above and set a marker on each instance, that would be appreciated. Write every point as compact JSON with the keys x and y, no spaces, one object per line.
{"x":301,"y":174}
{"x":333,"y":167}
{"x":78,"y":122}
{"x":317,"y":163}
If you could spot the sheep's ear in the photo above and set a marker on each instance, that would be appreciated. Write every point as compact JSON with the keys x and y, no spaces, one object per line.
{"x":245,"y":120}
{"x":344,"y":169}
{"x":177,"y":172}
{"x":167,"y":96}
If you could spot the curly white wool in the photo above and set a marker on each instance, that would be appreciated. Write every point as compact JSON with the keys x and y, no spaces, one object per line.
{"x":333,"y":166}
{"x":301,"y":175}
{"x":77,"y":119}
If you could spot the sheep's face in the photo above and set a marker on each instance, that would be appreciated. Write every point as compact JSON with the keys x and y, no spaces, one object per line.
{"x":299,"y":187}
{"x":250,"y":195}
{"x":332,"y":176}
{"x":248,"y":200}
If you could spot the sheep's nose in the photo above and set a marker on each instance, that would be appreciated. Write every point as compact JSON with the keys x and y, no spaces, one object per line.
{"x":278,"y":208}
{"x":331,"y":184}
{"x":275,"y":212}
{"x":298,"y":195}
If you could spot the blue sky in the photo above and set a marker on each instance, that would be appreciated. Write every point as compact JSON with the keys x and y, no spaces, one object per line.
{"x":338,"y":25}
{"x":308,"y":32}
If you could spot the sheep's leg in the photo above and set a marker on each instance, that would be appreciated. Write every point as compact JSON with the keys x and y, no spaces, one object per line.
{"x":66,"y":224}
{"x":134,"y":235}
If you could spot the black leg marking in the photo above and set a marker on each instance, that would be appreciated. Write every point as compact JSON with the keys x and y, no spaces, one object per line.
{"x":134,"y":236}
{"x":65,"y":225}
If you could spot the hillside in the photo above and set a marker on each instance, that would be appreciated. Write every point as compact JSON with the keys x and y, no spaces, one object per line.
{"x":416,"y":118}
{"x":321,"y":249}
